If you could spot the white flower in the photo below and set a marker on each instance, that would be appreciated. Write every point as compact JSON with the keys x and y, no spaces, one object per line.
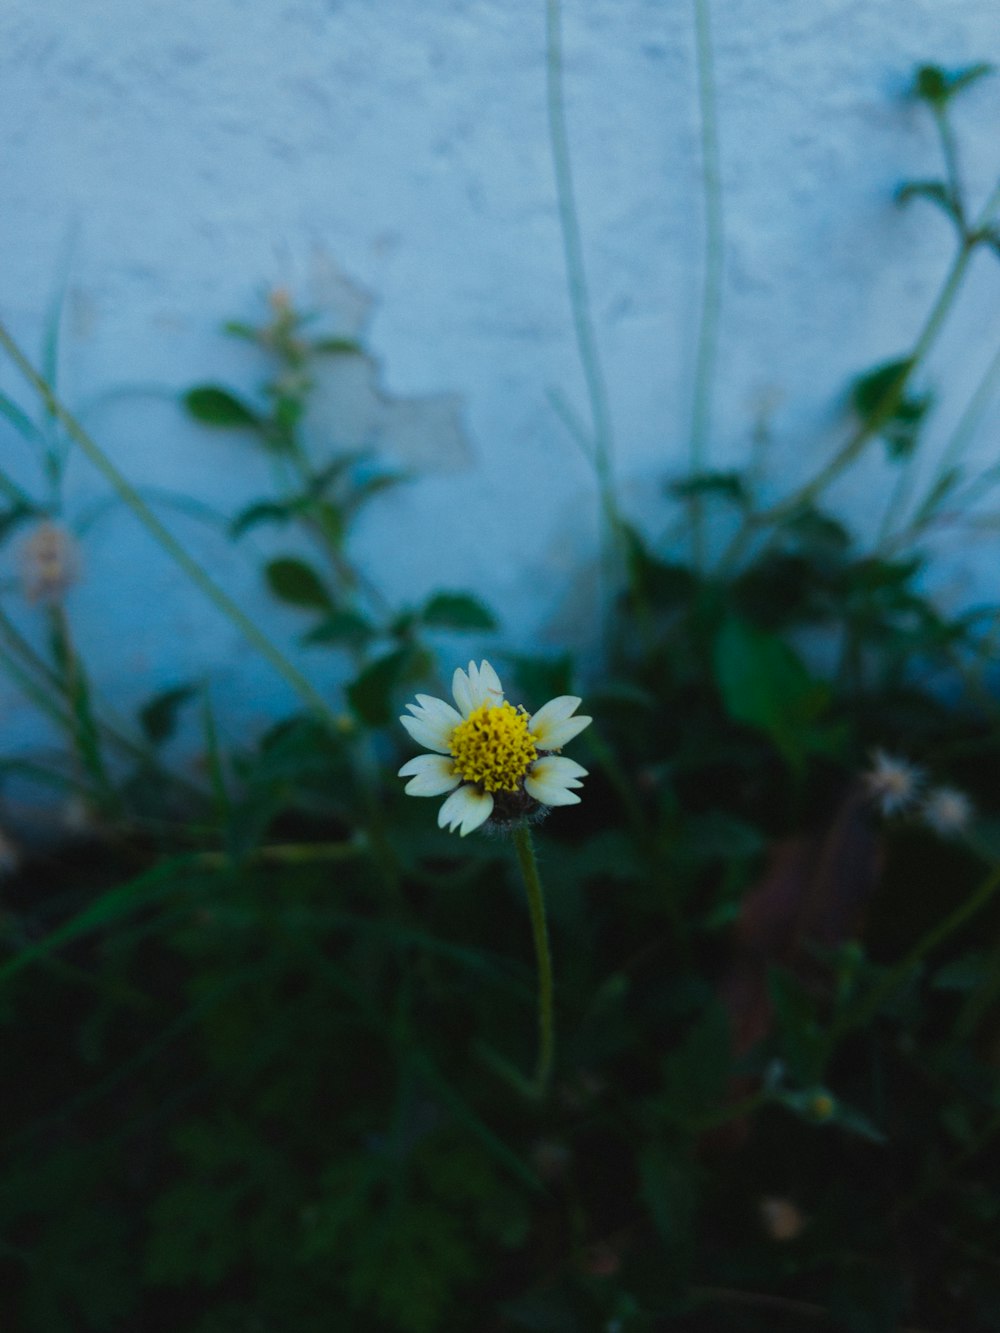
{"x":491,"y":757}
{"x":947,"y":811}
{"x":894,"y":784}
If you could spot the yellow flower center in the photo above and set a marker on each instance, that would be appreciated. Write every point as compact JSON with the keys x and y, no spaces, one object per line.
{"x":494,"y":747}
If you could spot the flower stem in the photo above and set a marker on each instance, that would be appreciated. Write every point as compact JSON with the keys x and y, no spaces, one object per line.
{"x":711,"y":298}
{"x":869,"y":1005}
{"x":808,"y":493}
{"x":131,"y":497}
{"x":602,"y":444}
{"x":536,"y":905}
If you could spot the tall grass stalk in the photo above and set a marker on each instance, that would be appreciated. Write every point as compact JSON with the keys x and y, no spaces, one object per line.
{"x":134,"y":501}
{"x":711,"y":294}
{"x":576,"y":276}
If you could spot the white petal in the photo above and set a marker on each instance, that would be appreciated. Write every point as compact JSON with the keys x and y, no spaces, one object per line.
{"x":430,"y":774}
{"x":491,"y":690}
{"x":429,"y":708}
{"x":563,"y":732}
{"x":479,"y":685}
{"x":465,"y":809}
{"x":432,"y":733}
{"x":554,"y":724}
{"x":551,"y":778}
{"x":559,"y":768}
{"x":556,"y":710}
{"x":461,"y":688}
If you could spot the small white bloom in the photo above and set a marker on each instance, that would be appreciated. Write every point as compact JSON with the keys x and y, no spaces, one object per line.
{"x":893,"y":784}
{"x":947,"y":811}
{"x":492,"y":758}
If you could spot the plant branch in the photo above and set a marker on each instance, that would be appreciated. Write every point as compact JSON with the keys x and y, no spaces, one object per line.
{"x":536,"y":905}
{"x":130,"y":496}
{"x":603,"y":445}
{"x":711,"y":297}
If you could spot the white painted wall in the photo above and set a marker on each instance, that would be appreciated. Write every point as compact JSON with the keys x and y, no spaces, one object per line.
{"x":190,"y":154}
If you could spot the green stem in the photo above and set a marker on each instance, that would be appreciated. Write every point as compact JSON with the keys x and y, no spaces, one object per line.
{"x":937,"y":1179}
{"x":528,"y":865}
{"x":75,"y":689}
{"x":870,"y":1004}
{"x":949,"y":152}
{"x":866,"y":429}
{"x":952,"y":451}
{"x":20,"y":661}
{"x":290,"y":853}
{"x":711,"y":298}
{"x":980,"y":998}
{"x":857,"y":441}
{"x":130,"y":496}
{"x":576,"y":274}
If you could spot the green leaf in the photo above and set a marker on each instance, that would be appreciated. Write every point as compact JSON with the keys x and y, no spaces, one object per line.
{"x":158,"y":718}
{"x":765,"y":685}
{"x":802,"y":1038}
{"x":337,"y":469}
{"x":370,"y":694}
{"x":264,"y":511}
{"x":880,"y":400}
{"x":214,"y":406}
{"x":695,"y":1073}
{"x":293,"y":581}
{"x":936,"y":192}
{"x":717,"y":835}
{"x":457,"y":611}
{"x":962,"y":974}
{"x":12,"y":518}
{"x":465,"y":1115}
{"x":338,"y":347}
{"x":937,"y":86}
{"x":409,"y":1270}
{"x":541,"y":678}
{"x":657,"y":581}
{"x":816,"y":533}
{"x":669,"y":1187}
{"x":238,"y":329}
{"x":86,"y":736}
{"x":729,"y":486}
{"x":109,"y":908}
{"x":18,"y":418}
{"x":345,"y":627}
{"x":873,"y":391}
{"x":364,"y":489}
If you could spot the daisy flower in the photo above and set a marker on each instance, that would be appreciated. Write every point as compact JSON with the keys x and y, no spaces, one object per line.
{"x":494,"y":759}
{"x":893,"y":784}
{"x":947,"y":811}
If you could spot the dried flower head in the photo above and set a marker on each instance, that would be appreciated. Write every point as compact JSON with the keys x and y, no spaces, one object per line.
{"x":50,"y":562}
{"x":947,"y":811}
{"x":781,"y":1219}
{"x":893,"y":784}
{"x":497,"y":762}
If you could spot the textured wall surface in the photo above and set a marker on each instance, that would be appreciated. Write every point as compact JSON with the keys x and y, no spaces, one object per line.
{"x":171,"y":160}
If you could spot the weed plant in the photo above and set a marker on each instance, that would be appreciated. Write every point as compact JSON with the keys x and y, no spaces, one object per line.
{"x":261,"y":1020}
